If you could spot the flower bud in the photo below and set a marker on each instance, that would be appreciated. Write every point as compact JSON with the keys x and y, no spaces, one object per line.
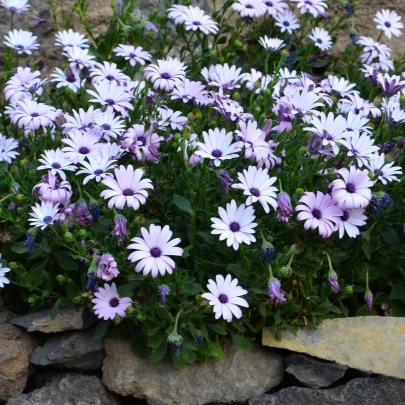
{"x":14,"y":169}
{"x":333,"y":281}
{"x":238,"y":44}
{"x":368,"y":299}
{"x":285,"y":209}
{"x":60,"y":278}
{"x":32,"y":172}
{"x":13,"y":265}
{"x":274,"y":291}
{"x":68,"y":237}
{"x":348,"y":289}
{"x":130,"y":310}
{"x":175,"y":340}
{"x":82,"y":233}
{"x":285,"y":272}
{"x":32,"y":299}
{"x":19,"y":197}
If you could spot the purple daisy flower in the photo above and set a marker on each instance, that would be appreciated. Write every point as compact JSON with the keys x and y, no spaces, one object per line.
{"x":107,"y":267}
{"x":319,"y":211}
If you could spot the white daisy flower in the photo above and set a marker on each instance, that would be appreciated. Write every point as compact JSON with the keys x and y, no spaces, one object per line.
{"x":193,"y":18}
{"x":389,"y":22}
{"x":223,"y":76}
{"x":3,"y":278}
{"x":321,"y":38}
{"x":166,"y":73}
{"x":22,"y":41}
{"x":79,"y":58}
{"x":70,"y":78}
{"x":224,"y":296}
{"x":96,"y":167}
{"x":169,"y":117}
{"x":24,"y":84}
{"x":218,"y":146}
{"x":315,"y":7}
{"x":190,"y":91}
{"x":257,"y":185}
{"x":235,"y":225}
{"x":108,"y":124}
{"x":134,"y":55}
{"x":7,"y":146}
{"x":361,"y":147}
{"x":113,"y":95}
{"x":349,"y":222}
{"x":71,"y":39}
{"x":44,"y":214}
{"x":287,"y":21}
{"x":250,"y":8}
{"x":271,"y":44}
{"x":79,"y":145}
{"x":80,"y":120}
{"x":56,"y":161}
{"x":275,"y":7}
{"x":108,"y":72}
{"x":355,"y":122}
{"x":387,"y":172}
{"x":250,"y":79}
{"x":15,"y":6}
{"x":253,"y":140}
{"x":153,"y":251}
{"x":126,"y":188}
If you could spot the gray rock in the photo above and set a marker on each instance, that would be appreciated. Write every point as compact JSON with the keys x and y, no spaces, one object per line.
{"x":75,"y":350}
{"x":73,"y":389}
{"x":16,"y":347}
{"x":368,"y":343}
{"x":312,"y":372}
{"x":361,"y":391}
{"x":67,"y":319}
{"x":234,"y":378}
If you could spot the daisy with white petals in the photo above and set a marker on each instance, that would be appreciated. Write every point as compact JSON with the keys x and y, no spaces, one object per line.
{"x":126,"y":188}
{"x":79,"y":145}
{"x":44,"y":214}
{"x":315,"y":7}
{"x":22,"y":41}
{"x":235,"y":225}
{"x":166,"y":73}
{"x":218,"y":146}
{"x":389,"y":22}
{"x":349,"y":222}
{"x":385,"y":171}
{"x":15,"y":6}
{"x":56,"y":161}
{"x":193,"y":19}
{"x":3,"y":271}
{"x":257,"y":185}
{"x":7,"y":146}
{"x":96,"y":167}
{"x":250,"y":8}
{"x":287,"y":21}
{"x":224,"y":296}
{"x":71,"y":39}
{"x":132,"y":54}
{"x":153,"y":250}
{"x":70,"y":78}
{"x":321,"y":38}
{"x":275,"y":7}
{"x":271,"y":44}
{"x":79,"y":58}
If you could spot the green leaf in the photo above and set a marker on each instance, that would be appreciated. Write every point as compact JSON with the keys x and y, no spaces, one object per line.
{"x":209,"y":349}
{"x":178,"y":362}
{"x":44,"y":245}
{"x":156,"y":340}
{"x":366,"y":249}
{"x":183,"y":204}
{"x":54,"y":310}
{"x":126,"y":290}
{"x":344,"y":309}
{"x":191,"y":288}
{"x":216,"y":328}
{"x":19,"y":248}
{"x":101,"y":330}
{"x":5,"y":214}
{"x":241,"y":342}
{"x":398,"y":291}
{"x":159,"y":352}
{"x":391,"y":237}
{"x":163,"y":313}
{"x":65,"y":261}
{"x":188,"y":355}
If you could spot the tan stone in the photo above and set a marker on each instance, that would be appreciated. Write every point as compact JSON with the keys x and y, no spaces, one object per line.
{"x":16,"y":347}
{"x":369,"y":343}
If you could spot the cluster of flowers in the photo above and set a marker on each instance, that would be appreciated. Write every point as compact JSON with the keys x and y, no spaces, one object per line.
{"x":97,"y":140}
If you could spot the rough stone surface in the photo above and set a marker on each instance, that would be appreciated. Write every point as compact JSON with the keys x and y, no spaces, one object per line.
{"x":312,"y":372}
{"x":236,"y":377}
{"x":73,"y":389}
{"x":361,"y":391}
{"x":16,"y":347}
{"x":369,"y":343}
{"x":75,"y":350}
{"x":67,"y":319}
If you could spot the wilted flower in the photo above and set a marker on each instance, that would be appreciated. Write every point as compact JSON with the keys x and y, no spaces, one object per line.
{"x":274,"y":291}
{"x":120,"y":229}
{"x":81,"y":214}
{"x":92,"y":283}
{"x":269,"y":254}
{"x":107,"y":267}
{"x":226,"y":181}
{"x":164,"y":291}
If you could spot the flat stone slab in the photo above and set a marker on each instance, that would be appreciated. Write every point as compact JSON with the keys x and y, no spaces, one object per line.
{"x":67,"y":319}
{"x":361,"y":391}
{"x":369,"y":343}
{"x":237,"y":376}
{"x":312,"y":372}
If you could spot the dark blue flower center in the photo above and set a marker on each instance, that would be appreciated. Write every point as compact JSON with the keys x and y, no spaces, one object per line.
{"x":109,"y":101}
{"x":110,"y":77}
{"x":98,"y":171}
{"x":388,"y":24}
{"x":316,"y":213}
{"x":114,"y":302}
{"x":128,"y":192}
{"x":216,"y":153}
{"x":155,"y":252}
{"x":84,"y":150}
{"x":286,"y":23}
{"x":269,"y":4}
{"x":345,"y":216}
{"x":254,"y":191}
{"x":249,"y":6}
{"x":20,"y":46}
{"x":56,"y":165}
{"x":141,"y":139}
{"x":165,"y":75}
{"x":350,"y":188}
{"x":223,"y":299}
{"x":35,"y":115}
{"x":196,"y":23}
{"x":48,"y":219}
{"x":319,"y":40}
{"x":106,"y":127}
{"x":234,"y":227}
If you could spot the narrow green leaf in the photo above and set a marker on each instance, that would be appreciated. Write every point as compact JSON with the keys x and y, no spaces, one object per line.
{"x":101,"y":330}
{"x":183,"y":204}
{"x":54,"y":310}
{"x":159,"y":352}
{"x":241,"y":342}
